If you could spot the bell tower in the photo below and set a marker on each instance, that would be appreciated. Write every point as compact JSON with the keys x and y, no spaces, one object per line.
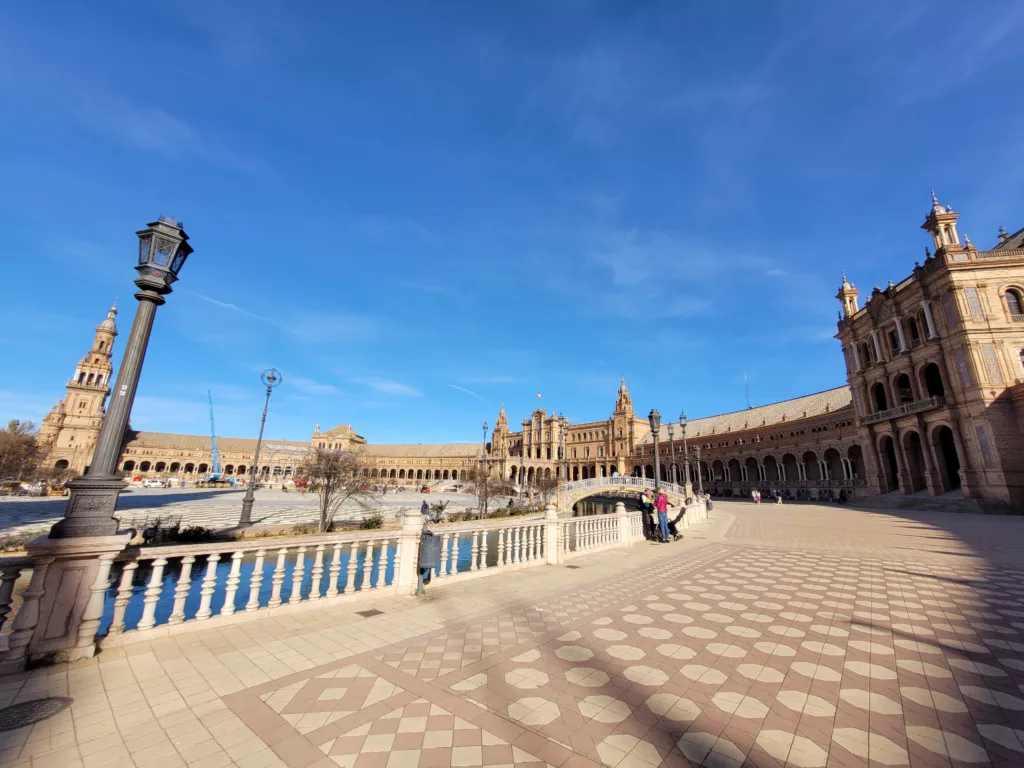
{"x":941,"y":225}
{"x":73,"y":425}
{"x":499,"y":440}
{"x":848,"y":297}
{"x":623,"y":423}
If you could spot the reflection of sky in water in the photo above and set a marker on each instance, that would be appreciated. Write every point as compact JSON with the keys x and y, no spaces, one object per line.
{"x":604,"y":505}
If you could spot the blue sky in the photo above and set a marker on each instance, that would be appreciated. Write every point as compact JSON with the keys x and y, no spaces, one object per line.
{"x":418,"y":211}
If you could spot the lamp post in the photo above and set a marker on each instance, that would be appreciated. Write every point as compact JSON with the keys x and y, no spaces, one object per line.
{"x":700,"y":480}
{"x":686,"y":455}
{"x":484,"y":480}
{"x":672,"y":450}
{"x":565,"y":448}
{"x":163,"y":248}
{"x":271,"y":378}
{"x":655,"y":418}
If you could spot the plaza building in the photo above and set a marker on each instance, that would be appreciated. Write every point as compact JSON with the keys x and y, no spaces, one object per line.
{"x":933,"y":406}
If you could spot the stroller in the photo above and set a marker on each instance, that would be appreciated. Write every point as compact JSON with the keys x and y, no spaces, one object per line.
{"x":673,"y":529}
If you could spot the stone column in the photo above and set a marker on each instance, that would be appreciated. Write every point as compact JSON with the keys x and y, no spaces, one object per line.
{"x":625,"y":539}
{"x":878,"y":345}
{"x":856,"y":357}
{"x":931,"y":469}
{"x":408,"y":552}
{"x":551,"y":531}
{"x":926,"y":305}
{"x":899,"y":332}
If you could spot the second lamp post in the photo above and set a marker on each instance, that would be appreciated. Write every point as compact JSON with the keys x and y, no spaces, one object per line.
{"x":655,"y":418}
{"x":271,"y":378}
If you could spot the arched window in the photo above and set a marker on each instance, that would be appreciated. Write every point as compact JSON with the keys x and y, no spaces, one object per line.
{"x":915,"y":332}
{"x":1015,"y":303}
{"x":102,"y":345}
{"x":865,"y":355}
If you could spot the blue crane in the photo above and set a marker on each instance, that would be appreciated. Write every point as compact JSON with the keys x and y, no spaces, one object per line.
{"x":215,"y":475}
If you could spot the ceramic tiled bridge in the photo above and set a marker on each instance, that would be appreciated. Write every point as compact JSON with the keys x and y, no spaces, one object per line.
{"x":803,"y":636}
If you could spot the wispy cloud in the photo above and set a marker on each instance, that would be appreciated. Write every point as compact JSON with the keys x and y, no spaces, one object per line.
{"x":388,"y":387}
{"x":469,"y":392}
{"x":233,"y":307}
{"x":311,"y":387}
{"x":500,"y":379}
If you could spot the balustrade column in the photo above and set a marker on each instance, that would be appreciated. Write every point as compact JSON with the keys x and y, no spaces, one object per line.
{"x":24,"y":624}
{"x":473,"y":550}
{"x":367,"y":567}
{"x":124,"y":594}
{"x":501,"y":548}
{"x":352,"y":569}
{"x":234,"y":577}
{"x":382,"y":565}
{"x":152,"y":595}
{"x":8,"y":576}
{"x":334,"y":573}
{"x":445,"y":557}
{"x":318,"y":573}
{"x":256,"y":582}
{"x":181,"y":589}
{"x":207,"y":588}
{"x":298,"y":572}
{"x":85,"y":643}
{"x":277,"y":579}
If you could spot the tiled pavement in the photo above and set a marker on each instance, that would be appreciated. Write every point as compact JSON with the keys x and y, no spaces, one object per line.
{"x":803,"y":636}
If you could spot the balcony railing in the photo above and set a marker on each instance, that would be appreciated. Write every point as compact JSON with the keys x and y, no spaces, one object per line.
{"x":1017,"y":318}
{"x":904,"y":409}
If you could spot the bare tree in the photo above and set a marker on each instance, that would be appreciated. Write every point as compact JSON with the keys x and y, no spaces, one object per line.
{"x":546,"y":486}
{"x":485,"y":488}
{"x":337,"y":478}
{"x":19,"y":450}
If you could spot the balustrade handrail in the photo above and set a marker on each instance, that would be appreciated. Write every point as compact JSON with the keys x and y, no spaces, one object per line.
{"x":252,"y":544}
{"x":935,"y":401}
{"x":491,"y":523}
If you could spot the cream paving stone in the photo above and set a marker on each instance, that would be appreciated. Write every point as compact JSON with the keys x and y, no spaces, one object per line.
{"x":587,"y":677}
{"x":727,"y":650}
{"x":526,"y":678}
{"x":775,"y":649}
{"x":827,"y":649}
{"x":654,"y":633}
{"x":993,"y":697}
{"x":740,"y":705}
{"x":673,"y":707}
{"x":923,"y":668}
{"x":533,"y":711}
{"x":661,"y":606}
{"x":917,"y":645}
{"x":830,"y":631}
{"x":760,"y":673}
{"x":1004,"y":736}
{"x":739,"y":631}
{"x":790,"y":749}
{"x":933,"y":699}
{"x":674,"y":651}
{"x":718,"y":618}
{"x":574,"y":653}
{"x":877,"y":649}
{"x":976,"y":667}
{"x":568,"y":637}
{"x":1017,"y":664}
{"x":613,"y":751}
{"x":816,"y":671}
{"x":760,"y":618}
{"x":870,"y":746}
{"x":870,"y":702}
{"x":626,"y":652}
{"x":604,"y":709}
{"x":868,"y":669}
{"x":697,"y":606}
{"x":609,"y":634}
{"x":708,"y":749}
{"x":644,"y":675}
{"x":678,"y":618}
{"x":701,"y":674}
{"x":700,"y":633}
{"x":637,"y":618}
{"x":778,"y":629}
{"x":806,"y":704}
{"x":947,"y":744}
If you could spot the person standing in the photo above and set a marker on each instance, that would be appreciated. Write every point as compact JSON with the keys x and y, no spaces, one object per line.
{"x":661,"y":503}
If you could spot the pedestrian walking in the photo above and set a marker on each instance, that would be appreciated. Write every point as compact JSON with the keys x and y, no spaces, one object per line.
{"x":753,"y":496}
{"x":778,"y":499}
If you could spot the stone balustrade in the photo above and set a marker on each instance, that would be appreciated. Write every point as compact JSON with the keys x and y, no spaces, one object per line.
{"x":128,"y":594}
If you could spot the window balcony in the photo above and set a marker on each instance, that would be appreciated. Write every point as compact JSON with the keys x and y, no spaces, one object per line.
{"x":1017,"y":318}
{"x":903,"y":409}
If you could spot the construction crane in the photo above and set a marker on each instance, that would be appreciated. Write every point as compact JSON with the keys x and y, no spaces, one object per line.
{"x":215,"y":475}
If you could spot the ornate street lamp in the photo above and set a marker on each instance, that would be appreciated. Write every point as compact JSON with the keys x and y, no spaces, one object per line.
{"x":655,"y":418}
{"x":163,"y":249}
{"x":483,"y":474}
{"x":672,"y":449}
{"x":271,"y":378}
{"x":700,"y":480}
{"x":686,"y":456}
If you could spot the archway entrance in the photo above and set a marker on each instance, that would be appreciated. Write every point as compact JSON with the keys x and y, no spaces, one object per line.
{"x":915,"y":460}
{"x":949,"y":460}
{"x":890,"y":468}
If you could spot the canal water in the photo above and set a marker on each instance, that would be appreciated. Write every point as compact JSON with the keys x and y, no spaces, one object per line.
{"x":604,"y":505}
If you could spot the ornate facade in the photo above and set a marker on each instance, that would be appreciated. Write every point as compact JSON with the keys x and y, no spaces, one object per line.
{"x":934,"y":405}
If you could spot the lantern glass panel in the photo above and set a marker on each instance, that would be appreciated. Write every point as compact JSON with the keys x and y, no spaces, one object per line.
{"x":179,"y":261}
{"x":164,"y":251}
{"x":144,"y":246}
